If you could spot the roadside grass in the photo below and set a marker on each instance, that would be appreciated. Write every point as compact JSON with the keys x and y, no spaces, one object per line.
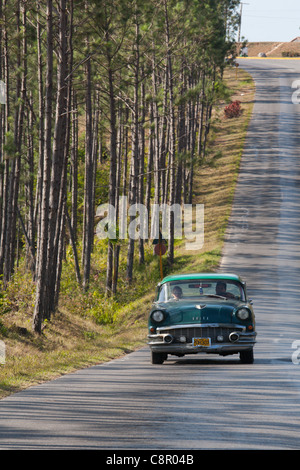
{"x":89,"y":328}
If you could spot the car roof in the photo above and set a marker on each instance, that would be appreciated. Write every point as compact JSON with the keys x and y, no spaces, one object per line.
{"x":196,"y":276}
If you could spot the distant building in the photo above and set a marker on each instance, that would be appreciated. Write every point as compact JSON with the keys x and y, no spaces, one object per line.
{"x":296,"y":39}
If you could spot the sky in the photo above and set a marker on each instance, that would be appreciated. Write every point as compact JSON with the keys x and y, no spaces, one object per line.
{"x":270,"y":20}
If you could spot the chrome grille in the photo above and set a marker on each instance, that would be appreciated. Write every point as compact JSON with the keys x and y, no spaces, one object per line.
{"x":200,"y":332}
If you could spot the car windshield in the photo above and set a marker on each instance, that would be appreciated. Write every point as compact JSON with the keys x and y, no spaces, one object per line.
{"x":197,"y":289}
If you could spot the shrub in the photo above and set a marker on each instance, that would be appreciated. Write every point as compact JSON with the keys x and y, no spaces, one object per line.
{"x":290,"y":54}
{"x":233,"y":109}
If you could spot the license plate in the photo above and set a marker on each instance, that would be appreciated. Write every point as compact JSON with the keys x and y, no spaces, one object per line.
{"x":201,"y":341}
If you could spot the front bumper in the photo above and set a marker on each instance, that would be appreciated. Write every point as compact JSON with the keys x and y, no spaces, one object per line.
{"x":170,"y":339}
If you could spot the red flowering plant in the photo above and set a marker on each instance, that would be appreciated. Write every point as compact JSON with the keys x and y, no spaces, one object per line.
{"x":233,"y":109}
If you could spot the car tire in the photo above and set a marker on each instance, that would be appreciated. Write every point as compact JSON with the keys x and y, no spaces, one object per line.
{"x":158,"y":358}
{"x":247,"y":357}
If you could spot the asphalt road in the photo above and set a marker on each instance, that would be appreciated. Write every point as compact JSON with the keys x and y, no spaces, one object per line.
{"x":204,"y":402}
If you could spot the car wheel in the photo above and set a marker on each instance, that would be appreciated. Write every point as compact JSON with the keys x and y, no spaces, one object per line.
{"x":158,"y":358}
{"x":247,"y":357}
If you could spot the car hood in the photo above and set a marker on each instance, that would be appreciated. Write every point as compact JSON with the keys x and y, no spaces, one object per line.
{"x":204,"y":311}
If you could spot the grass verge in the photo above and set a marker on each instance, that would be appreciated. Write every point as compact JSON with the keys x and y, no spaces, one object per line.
{"x":90,"y":329}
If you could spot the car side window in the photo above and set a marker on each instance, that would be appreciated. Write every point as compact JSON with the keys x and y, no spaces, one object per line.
{"x":234,"y":290}
{"x":237,"y":291}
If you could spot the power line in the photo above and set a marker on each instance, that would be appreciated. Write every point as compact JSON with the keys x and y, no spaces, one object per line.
{"x":277,"y":9}
{"x":272,"y":17}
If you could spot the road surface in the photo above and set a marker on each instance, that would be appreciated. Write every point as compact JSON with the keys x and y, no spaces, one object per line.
{"x":204,"y":402}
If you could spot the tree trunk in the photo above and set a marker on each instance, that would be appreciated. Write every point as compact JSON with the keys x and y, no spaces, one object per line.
{"x":74,"y":166}
{"x":38,"y":197}
{"x":135,"y":153}
{"x":42,"y":299}
{"x":58,"y":174}
{"x":112,"y":170}
{"x":88,"y":225}
{"x":14,"y":178}
{"x":172,"y":138}
{"x":141,"y":170}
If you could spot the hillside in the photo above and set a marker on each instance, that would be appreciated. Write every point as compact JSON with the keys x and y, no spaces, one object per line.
{"x":272,"y":49}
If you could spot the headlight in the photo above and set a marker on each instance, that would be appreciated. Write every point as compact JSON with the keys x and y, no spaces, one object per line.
{"x":157,"y":316}
{"x":243,"y":314}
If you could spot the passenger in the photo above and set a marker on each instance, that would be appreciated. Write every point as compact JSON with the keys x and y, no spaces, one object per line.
{"x":221,"y":290}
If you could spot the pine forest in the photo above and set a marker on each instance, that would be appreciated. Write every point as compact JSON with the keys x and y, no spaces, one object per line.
{"x":101,"y":100}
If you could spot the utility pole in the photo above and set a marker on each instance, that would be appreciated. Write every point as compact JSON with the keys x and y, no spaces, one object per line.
{"x":240,"y":20}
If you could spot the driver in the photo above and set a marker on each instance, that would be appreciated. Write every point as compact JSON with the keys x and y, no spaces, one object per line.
{"x":177,"y":293}
{"x":221,"y":290}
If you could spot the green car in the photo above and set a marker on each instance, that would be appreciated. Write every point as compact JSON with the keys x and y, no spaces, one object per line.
{"x":201,"y":313}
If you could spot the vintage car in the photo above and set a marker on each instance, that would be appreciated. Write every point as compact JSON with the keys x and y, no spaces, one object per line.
{"x":201,"y":313}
